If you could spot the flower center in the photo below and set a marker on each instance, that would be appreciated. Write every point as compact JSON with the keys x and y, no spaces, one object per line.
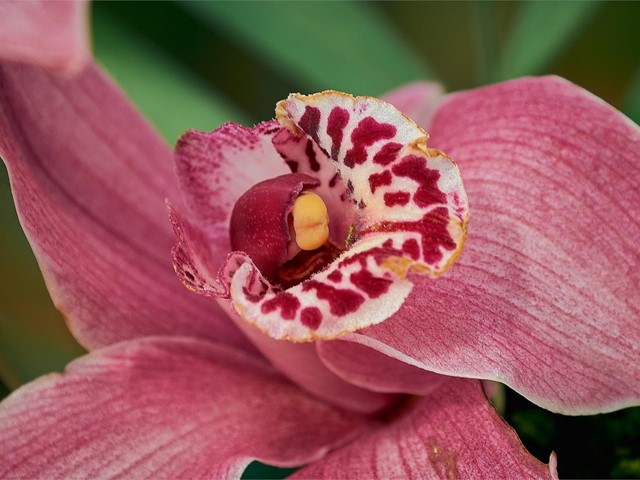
{"x":284,"y":228}
{"x":309,"y":227}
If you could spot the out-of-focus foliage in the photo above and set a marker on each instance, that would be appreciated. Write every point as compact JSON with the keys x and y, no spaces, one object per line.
{"x":257,"y":470}
{"x":343,"y":46}
{"x":632,"y":101}
{"x":33,"y":336}
{"x":174,"y":98}
{"x":541,"y":32}
{"x":198,"y":65}
{"x":598,"y":446}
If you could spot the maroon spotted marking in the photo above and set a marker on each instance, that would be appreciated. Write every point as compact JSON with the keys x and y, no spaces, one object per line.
{"x":368,"y":131}
{"x":377,"y":253}
{"x":293,"y":165}
{"x":432,"y":229}
{"x":338,"y":119}
{"x":286,"y":302}
{"x":370,"y":284}
{"x":273,"y":130}
{"x":411,"y":248}
{"x":253,"y":298}
{"x":387,"y":154}
{"x":350,"y":186}
{"x":311,"y":317}
{"x":379,"y":179}
{"x":311,"y":155}
{"x":335,"y":276}
{"x":341,"y":301}
{"x":388,"y":243}
{"x":334,"y":180}
{"x":392,"y":199}
{"x":415,"y":168}
{"x":310,"y":122}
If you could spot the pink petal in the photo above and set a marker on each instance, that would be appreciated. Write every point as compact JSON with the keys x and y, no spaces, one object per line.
{"x":89,"y":178}
{"x":368,"y":368}
{"x":452,"y":433}
{"x":45,"y":33}
{"x":301,"y":364}
{"x":164,"y":408}
{"x":545,"y":297}
{"x":418,"y":101}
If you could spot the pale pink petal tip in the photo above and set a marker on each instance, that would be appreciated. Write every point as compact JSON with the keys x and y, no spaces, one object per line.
{"x":418,"y":101}
{"x":553,"y":466}
{"x":48,"y":34}
{"x":395,"y":207}
{"x":164,"y":408}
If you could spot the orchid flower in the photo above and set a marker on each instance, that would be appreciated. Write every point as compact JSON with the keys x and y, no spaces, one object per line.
{"x":386,"y":384}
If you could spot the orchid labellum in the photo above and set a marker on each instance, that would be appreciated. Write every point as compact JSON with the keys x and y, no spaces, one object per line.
{"x":322,"y":332}
{"x":324,"y":249}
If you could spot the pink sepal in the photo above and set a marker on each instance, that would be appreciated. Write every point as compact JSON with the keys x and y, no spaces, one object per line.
{"x":164,"y":408}
{"x":545,"y":297}
{"x":89,"y":177}
{"x":452,"y":433}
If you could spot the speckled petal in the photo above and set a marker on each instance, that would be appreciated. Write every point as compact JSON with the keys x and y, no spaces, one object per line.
{"x":409,"y":213}
{"x":398,"y":206}
{"x":399,"y":186}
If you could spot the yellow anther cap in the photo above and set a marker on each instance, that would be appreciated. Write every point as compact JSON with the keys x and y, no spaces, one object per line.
{"x":310,"y":221}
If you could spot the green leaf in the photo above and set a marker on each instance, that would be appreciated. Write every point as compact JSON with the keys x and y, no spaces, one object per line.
{"x":346,"y":46}
{"x":486,"y":37}
{"x":632,"y":100}
{"x":167,"y":94}
{"x":258,"y":470}
{"x":34,"y":339}
{"x":4,"y":390}
{"x":540,"y":34}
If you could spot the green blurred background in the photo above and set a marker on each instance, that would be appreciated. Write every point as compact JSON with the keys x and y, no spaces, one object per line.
{"x":196,"y":65}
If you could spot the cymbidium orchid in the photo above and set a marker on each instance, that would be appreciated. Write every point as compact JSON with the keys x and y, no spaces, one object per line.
{"x":318,"y":333}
